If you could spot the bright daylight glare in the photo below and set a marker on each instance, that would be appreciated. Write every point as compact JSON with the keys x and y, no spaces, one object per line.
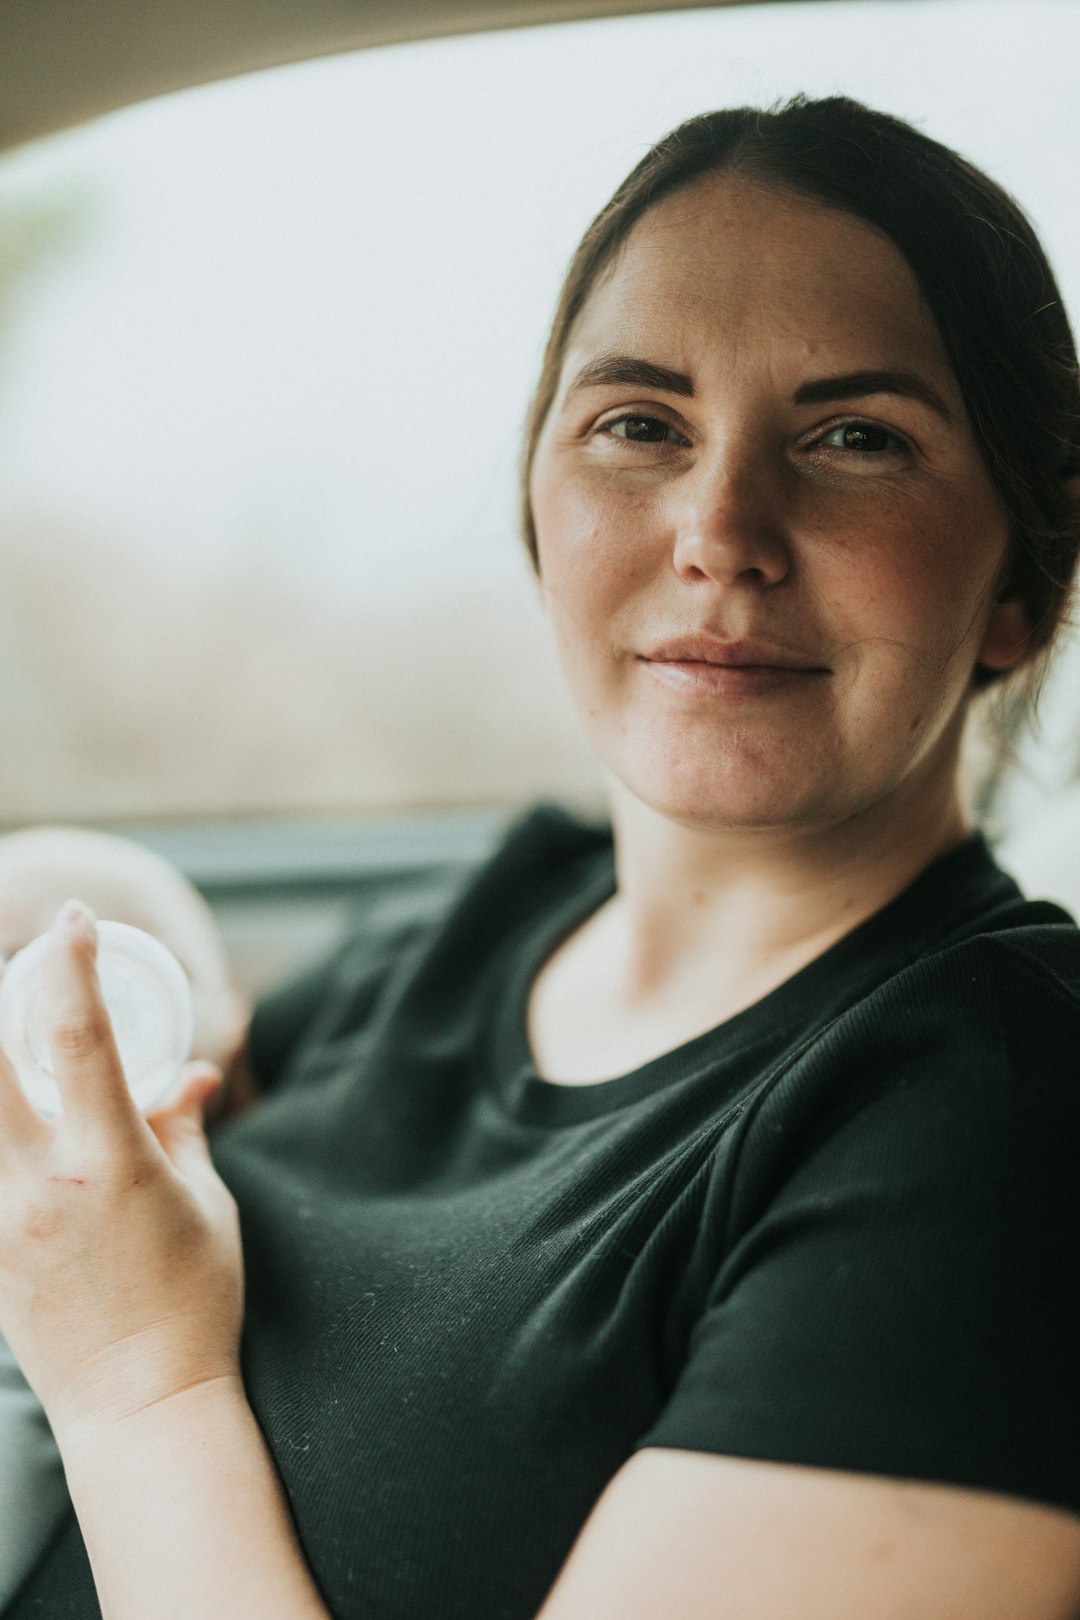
{"x":265,"y":350}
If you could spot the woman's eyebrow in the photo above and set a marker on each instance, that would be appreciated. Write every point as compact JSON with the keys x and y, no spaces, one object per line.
{"x":624,"y":368}
{"x":854,"y":384}
{"x":627,"y":368}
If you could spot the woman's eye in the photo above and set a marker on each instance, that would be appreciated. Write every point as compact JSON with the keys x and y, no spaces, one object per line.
{"x":643,"y":430}
{"x":863,"y":438}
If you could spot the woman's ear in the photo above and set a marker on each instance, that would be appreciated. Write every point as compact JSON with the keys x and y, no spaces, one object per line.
{"x":1009,"y":627}
{"x":1005,"y":639}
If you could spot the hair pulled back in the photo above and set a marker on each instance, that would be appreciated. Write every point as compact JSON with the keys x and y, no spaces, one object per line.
{"x":977,"y":261}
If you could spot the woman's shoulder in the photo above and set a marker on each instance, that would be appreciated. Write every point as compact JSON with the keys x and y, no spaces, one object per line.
{"x":1008,"y":976}
{"x":962,"y":1066}
{"x":960,"y":953}
{"x":1003,"y":1007}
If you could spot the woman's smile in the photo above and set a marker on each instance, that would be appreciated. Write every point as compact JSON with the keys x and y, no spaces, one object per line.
{"x":697,"y":667}
{"x":697,"y":679}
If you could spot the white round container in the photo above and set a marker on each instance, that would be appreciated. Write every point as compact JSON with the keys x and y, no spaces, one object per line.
{"x":148,"y":999}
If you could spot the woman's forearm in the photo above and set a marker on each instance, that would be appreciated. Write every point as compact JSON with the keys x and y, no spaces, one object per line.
{"x":183,"y":1514}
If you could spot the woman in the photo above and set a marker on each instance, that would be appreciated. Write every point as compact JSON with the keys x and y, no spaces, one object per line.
{"x":684,"y":1226}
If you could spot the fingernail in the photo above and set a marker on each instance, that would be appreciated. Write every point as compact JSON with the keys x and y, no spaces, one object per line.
{"x":74,"y":915}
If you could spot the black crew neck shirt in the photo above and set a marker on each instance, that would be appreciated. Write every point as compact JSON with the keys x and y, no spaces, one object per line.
{"x":840,"y":1229}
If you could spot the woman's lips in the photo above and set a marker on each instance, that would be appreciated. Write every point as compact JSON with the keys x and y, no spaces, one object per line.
{"x":705,"y":666}
{"x":694,"y":678}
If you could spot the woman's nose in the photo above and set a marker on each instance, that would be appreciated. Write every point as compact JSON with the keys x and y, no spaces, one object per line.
{"x":728,"y":527}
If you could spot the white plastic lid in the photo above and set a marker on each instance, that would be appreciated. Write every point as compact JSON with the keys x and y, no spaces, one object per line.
{"x":149,"y":1003}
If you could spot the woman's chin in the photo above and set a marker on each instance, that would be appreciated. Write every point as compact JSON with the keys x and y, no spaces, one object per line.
{"x":762,"y":790}
{"x":746,"y":806}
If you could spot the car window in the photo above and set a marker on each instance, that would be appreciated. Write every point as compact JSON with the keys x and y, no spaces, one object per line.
{"x":265,"y":352}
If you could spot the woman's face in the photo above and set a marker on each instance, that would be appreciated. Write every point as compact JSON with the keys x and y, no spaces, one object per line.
{"x":768,"y":544}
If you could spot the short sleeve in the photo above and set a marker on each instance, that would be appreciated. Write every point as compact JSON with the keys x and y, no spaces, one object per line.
{"x":899,"y":1288}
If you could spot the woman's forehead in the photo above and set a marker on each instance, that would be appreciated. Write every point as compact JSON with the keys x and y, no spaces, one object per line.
{"x":731,"y":266}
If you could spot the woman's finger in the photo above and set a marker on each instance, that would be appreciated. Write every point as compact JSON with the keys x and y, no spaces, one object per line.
{"x":196,"y":1083}
{"x":86,"y":1063}
{"x":179,"y":1123}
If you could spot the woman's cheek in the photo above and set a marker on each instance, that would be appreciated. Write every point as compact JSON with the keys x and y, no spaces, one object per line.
{"x":566,"y":540}
{"x":592,"y":536}
{"x":590,"y":581}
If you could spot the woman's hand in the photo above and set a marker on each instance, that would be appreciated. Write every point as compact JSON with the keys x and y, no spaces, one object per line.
{"x":121,"y":1279}
{"x":124,"y":881}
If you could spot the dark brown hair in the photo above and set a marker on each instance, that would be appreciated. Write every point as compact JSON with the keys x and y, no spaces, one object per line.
{"x":977,"y":260}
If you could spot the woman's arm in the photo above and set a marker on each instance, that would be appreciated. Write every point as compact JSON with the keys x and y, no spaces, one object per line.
{"x":679,"y":1533}
{"x":183,"y":1515}
{"x":121,"y":1295}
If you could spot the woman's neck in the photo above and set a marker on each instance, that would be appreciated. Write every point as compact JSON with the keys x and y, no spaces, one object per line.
{"x":784,"y":895}
{"x":706,"y":921}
